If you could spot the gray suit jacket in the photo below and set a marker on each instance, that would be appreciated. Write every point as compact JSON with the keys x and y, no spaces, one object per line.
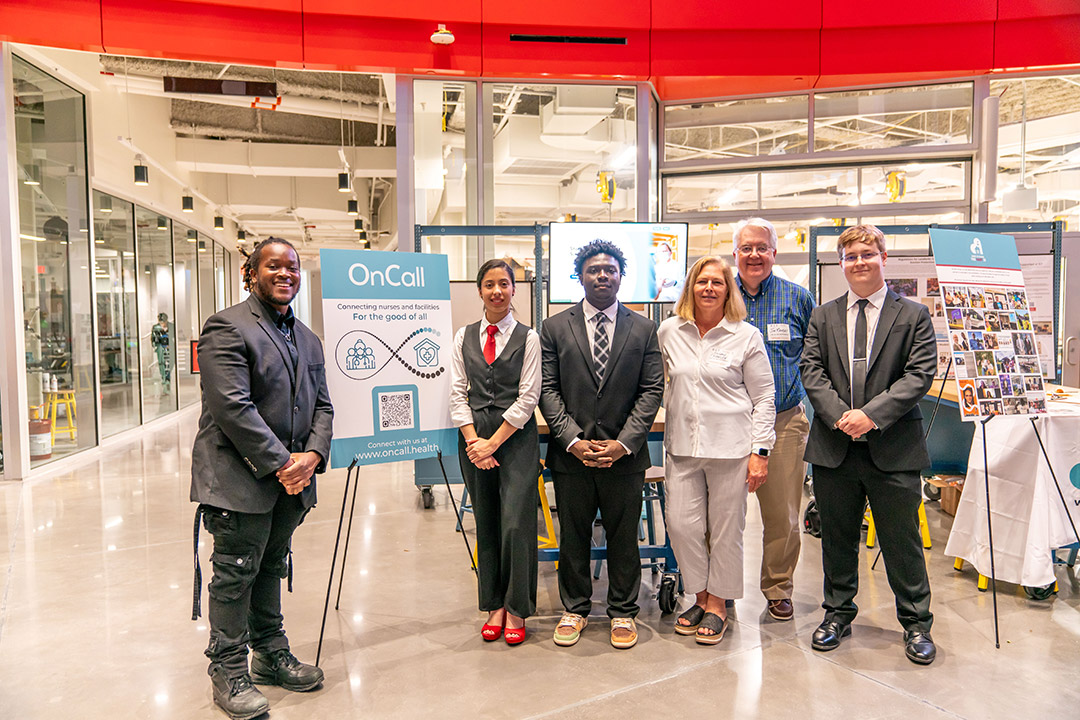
{"x":621,"y":408}
{"x":900,"y":369}
{"x":256,"y":409}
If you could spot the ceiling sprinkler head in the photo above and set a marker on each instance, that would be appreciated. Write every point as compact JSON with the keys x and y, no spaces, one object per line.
{"x":442,"y":36}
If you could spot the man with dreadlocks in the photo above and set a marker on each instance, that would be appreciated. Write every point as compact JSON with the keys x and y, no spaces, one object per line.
{"x":263,"y":434}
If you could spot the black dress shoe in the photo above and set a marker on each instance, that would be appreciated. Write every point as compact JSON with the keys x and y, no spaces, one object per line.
{"x":281,"y":667}
{"x":828,"y":635}
{"x":236,"y":695}
{"x":919,"y":647}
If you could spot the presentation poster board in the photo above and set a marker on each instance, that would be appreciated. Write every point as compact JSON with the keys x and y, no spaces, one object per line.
{"x":988,"y":316}
{"x":386,"y":317}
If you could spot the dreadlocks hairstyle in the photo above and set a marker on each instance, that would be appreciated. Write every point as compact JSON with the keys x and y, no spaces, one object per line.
{"x":599,"y":247}
{"x":251,"y":263}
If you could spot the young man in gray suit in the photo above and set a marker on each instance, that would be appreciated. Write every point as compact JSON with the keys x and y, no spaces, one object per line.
{"x":603,"y":379}
{"x":868,"y":358}
{"x":263,"y":434}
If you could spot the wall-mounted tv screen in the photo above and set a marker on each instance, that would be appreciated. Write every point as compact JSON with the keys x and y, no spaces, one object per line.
{"x":655,"y":259}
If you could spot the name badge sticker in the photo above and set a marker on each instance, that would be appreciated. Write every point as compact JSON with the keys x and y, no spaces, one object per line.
{"x":778,"y":332}
{"x":719,"y":357}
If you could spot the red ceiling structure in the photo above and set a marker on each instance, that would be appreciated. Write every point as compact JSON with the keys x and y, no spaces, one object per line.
{"x":686,"y":48}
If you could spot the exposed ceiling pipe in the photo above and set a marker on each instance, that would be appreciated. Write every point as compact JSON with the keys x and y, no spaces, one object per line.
{"x":153,"y":87}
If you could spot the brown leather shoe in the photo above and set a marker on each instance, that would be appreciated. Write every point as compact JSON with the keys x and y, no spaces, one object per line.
{"x":781,"y":609}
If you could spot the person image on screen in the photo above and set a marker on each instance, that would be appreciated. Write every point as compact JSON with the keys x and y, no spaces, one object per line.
{"x":263,"y":434}
{"x":495,"y":373}
{"x":869,"y":357}
{"x":718,"y":434}
{"x":780,"y":310}
{"x":603,"y":380}
{"x":668,"y":272}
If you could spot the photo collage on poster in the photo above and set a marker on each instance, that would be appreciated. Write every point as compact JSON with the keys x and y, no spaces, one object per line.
{"x":994,"y":352}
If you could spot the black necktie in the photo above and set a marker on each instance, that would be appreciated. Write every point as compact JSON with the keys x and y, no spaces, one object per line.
{"x":858,"y":359}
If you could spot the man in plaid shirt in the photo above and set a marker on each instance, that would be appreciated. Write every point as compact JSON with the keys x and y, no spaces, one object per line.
{"x":780,"y":309}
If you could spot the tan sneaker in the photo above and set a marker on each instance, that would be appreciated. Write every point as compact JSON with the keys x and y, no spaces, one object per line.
{"x":623,"y":633}
{"x":568,"y":631}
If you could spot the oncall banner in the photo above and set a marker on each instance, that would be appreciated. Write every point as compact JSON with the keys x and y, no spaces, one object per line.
{"x":386,"y":316}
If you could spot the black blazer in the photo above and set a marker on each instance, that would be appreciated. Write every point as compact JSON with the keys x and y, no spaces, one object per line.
{"x":621,"y":408}
{"x":900,"y":370}
{"x":256,"y":409}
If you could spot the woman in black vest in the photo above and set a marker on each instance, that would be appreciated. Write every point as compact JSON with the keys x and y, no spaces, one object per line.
{"x":496,"y":385}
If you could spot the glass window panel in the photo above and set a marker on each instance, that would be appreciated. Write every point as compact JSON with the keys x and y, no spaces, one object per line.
{"x":117,"y":326}
{"x":444,"y":157}
{"x":1043,"y":152}
{"x":893,"y":117}
{"x":58,"y":298}
{"x":562,"y":149}
{"x":462,"y":253}
{"x":711,"y":192}
{"x":185,"y":284}
{"x":736,"y":128}
{"x":157,"y":317}
{"x":207,"y":303}
{"x":219,"y":275}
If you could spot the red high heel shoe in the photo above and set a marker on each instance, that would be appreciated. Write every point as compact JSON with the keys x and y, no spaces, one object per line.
{"x":492,"y":632}
{"x":514,"y":636}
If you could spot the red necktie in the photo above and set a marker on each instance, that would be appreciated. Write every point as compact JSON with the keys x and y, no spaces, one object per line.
{"x":489,"y":346}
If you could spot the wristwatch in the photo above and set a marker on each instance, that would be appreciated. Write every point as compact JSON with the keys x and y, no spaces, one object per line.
{"x":763,"y":452}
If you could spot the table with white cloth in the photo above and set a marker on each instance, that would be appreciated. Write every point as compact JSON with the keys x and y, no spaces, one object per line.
{"x":1029,"y":520}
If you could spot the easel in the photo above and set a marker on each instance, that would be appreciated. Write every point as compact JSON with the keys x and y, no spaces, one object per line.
{"x":354,"y":475}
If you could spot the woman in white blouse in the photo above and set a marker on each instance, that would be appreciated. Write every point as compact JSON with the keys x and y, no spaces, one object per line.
{"x":495,"y":387}
{"x":719,"y":430}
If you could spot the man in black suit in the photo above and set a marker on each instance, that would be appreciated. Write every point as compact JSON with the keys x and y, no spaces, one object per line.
{"x":603,"y":379}
{"x":264,"y":432}
{"x":870,"y":356}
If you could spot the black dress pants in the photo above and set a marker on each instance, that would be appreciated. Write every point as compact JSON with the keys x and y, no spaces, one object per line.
{"x":618,"y":498}
{"x":251,"y":556}
{"x":894,"y":497}
{"x":504,"y":501}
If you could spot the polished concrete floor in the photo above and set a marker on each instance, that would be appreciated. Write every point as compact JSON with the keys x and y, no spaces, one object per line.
{"x":96,"y":599}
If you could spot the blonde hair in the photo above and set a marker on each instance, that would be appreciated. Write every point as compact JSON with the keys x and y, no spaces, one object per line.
{"x":734,"y":308}
{"x":868,"y":234}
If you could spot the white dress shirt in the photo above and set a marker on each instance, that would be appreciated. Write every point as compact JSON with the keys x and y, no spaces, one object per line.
{"x":873,"y":312}
{"x":528,"y":387}
{"x":612,"y":311}
{"x":718,"y":398}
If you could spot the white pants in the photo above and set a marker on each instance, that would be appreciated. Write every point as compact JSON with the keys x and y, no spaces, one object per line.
{"x":705,"y":494}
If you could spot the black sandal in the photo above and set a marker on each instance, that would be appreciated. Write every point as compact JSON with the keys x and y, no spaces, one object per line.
{"x":716,"y":624}
{"x":692,"y":616}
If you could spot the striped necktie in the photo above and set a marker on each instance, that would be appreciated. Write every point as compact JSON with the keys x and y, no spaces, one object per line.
{"x":600,"y":347}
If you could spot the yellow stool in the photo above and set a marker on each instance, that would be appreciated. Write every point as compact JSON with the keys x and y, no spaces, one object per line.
{"x":984,"y":582}
{"x":53,"y":400}
{"x":924,"y":528}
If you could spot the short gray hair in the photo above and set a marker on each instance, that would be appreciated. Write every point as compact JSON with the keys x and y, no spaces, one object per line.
{"x":758,"y":223}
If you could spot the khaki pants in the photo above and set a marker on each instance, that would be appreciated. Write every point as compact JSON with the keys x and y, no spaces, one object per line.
{"x":780,"y":499}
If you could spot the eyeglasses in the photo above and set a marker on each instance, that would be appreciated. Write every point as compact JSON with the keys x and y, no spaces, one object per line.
{"x":865,"y":257}
{"x":751,"y":249}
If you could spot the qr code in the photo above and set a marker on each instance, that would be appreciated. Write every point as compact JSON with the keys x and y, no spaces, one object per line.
{"x":396,"y":411}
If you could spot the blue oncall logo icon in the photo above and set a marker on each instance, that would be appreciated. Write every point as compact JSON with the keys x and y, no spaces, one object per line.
{"x":1074,"y":476}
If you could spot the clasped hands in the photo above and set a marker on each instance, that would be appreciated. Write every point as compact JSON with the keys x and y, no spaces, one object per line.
{"x":597,"y":453}
{"x":296,"y":473}
{"x":854,"y":423}
{"x":481,"y":452}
